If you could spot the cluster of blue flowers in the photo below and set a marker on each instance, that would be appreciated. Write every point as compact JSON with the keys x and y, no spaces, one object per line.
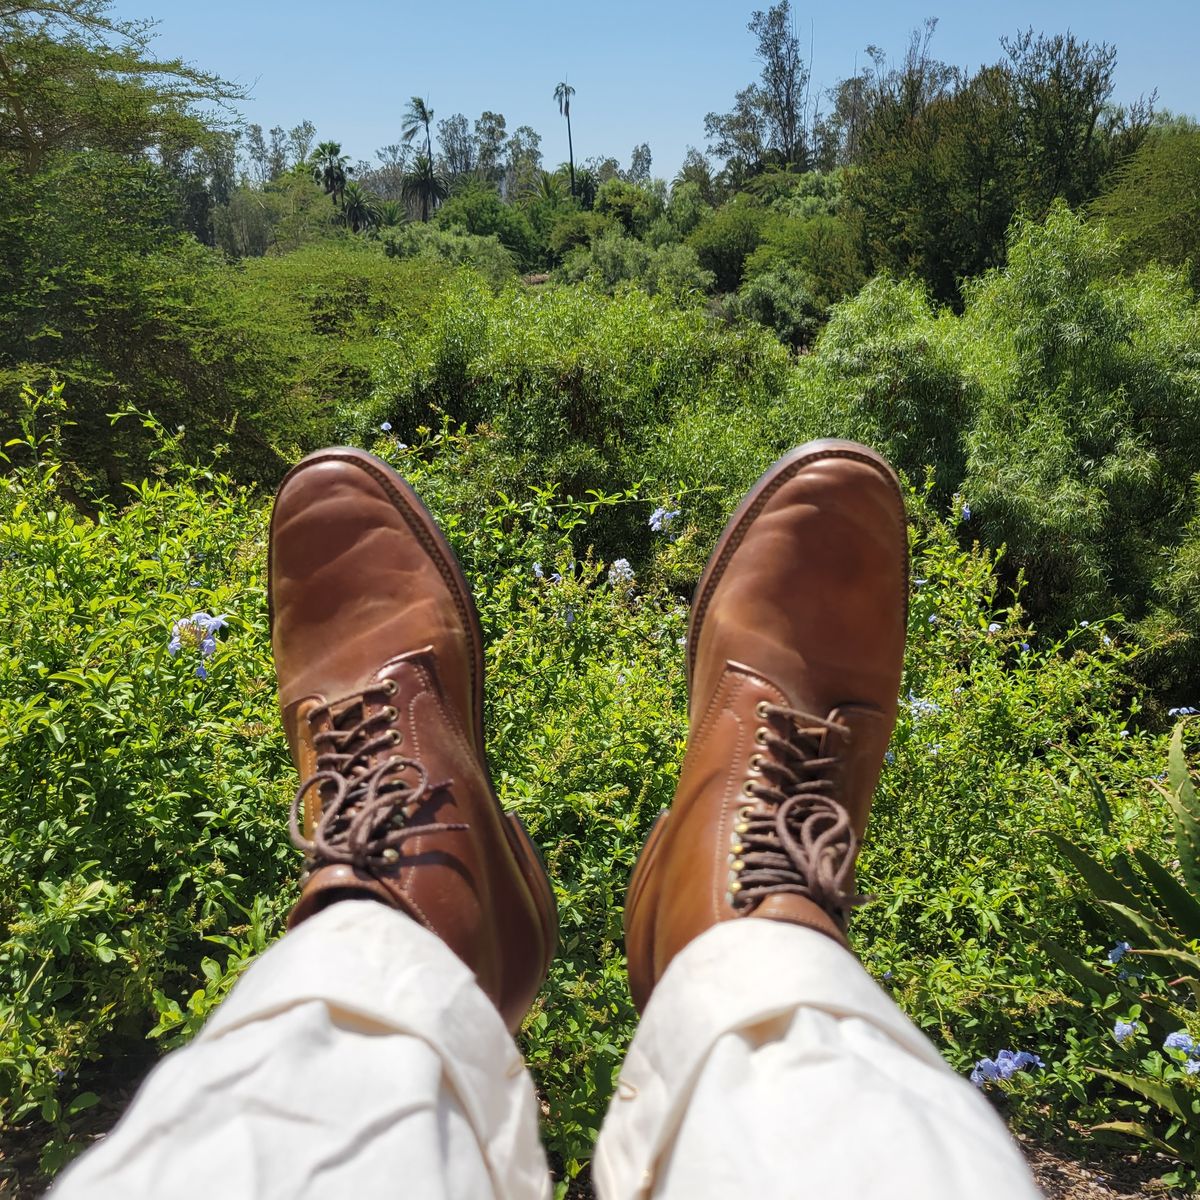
{"x":1004,"y":1066}
{"x":1118,"y":952}
{"x":198,"y":631}
{"x":661,"y":518}
{"x":620,"y":574}
{"x":1125,"y":1029}
{"x":921,"y":708}
{"x":1185,"y":711}
{"x":539,"y":573}
{"x":1184,"y":1042}
{"x":966,"y":512}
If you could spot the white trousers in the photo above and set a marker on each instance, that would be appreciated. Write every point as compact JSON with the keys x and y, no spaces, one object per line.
{"x":357,"y":1058}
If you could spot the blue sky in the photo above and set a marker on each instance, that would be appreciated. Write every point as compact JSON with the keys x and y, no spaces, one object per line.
{"x":644,"y":70}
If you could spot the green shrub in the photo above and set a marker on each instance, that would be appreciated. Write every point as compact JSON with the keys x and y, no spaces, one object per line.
{"x":431,"y":243}
{"x":481,"y":212}
{"x":781,"y":299}
{"x":725,"y":240}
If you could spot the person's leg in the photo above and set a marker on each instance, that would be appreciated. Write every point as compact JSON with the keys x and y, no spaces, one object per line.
{"x":356,"y":1058}
{"x":769,"y":1064}
{"x":366,"y":1054}
{"x":768,"y":1061}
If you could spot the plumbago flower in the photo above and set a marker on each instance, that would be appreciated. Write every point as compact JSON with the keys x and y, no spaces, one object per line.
{"x":1125,"y":1029}
{"x":197,"y":632}
{"x":620,"y":574}
{"x":661,"y":518}
{"x":1004,"y":1066}
{"x":1118,"y":952}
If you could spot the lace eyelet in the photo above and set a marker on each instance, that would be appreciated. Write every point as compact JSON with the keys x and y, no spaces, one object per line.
{"x":760,"y":736}
{"x":391,"y":712}
{"x":390,"y":855}
{"x":389,"y":687}
{"x":755,"y":767}
{"x":760,"y":710}
{"x":748,"y":788}
{"x":396,"y":735}
{"x":745,"y":811}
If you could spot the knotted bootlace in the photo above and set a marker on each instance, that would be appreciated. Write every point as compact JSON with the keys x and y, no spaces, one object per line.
{"x":368,"y":796}
{"x":796,"y":837}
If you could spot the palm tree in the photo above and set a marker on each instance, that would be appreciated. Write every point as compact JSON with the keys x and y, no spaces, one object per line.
{"x":424,"y":187}
{"x":330,"y":168}
{"x":360,"y":209}
{"x":391,"y":213}
{"x":416,"y":115}
{"x":563,"y":93}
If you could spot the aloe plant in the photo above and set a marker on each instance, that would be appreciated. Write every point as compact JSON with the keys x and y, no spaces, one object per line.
{"x":1159,"y":912}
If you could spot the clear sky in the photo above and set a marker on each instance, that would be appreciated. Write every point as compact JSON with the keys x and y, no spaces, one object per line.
{"x":643,"y":70}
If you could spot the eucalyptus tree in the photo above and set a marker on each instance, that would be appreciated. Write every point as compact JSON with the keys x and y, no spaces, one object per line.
{"x":417,"y":116}
{"x":330,"y":169}
{"x":424,"y":187}
{"x":563,"y":93}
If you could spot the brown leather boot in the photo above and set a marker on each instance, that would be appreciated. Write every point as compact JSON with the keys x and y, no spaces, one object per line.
{"x":379,"y":656}
{"x":794,"y":656}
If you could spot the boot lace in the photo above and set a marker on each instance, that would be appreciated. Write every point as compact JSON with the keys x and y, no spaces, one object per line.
{"x":367,"y":797}
{"x":797,"y":837}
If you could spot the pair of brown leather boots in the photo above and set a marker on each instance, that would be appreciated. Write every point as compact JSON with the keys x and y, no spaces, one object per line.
{"x":794,"y":658}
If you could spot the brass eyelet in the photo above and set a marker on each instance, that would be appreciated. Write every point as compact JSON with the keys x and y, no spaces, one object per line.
{"x":745,"y":811}
{"x":755,"y":766}
{"x":395,"y":736}
{"x":389,"y":687}
{"x":760,"y":736}
{"x":391,"y":712}
{"x":748,"y":788}
{"x":761,"y":710}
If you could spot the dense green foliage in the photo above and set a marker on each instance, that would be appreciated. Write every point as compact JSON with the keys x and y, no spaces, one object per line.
{"x":988,"y":276}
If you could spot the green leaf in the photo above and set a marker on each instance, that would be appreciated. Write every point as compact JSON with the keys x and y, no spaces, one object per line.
{"x":1161,"y":1094}
{"x":1138,"y":1130}
{"x":1074,"y":965}
{"x":1181,"y":906}
{"x":82,"y":1101}
{"x":1182,"y":798}
{"x":1106,"y":887}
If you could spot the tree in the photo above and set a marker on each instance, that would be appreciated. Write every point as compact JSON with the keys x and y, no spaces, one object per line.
{"x":360,"y":210}
{"x":424,"y":187}
{"x":490,"y":136}
{"x":1154,"y":203}
{"x":784,"y":90}
{"x":769,"y":116}
{"x":459,"y":148}
{"x":639,"y":164}
{"x":418,"y":115}
{"x":73,"y":77}
{"x":300,"y":141}
{"x":1065,"y":124}
{"x":524,"y":154}
{"x":698,"y":170}
{"x":563,"y":93}
{"x":330,"y":169}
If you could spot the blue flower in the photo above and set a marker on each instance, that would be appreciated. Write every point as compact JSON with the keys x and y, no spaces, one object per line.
{"x":1180,"y":1040}
{"x":202,"y":672}
{"x":921,"y":708}
{"x":386,"y":427}
{"x":1118,"y":952}
{"x":568,"y":617}
{"x":1024,"y":647}
{"x":620,"y":574}
{"x":1004,"y":1066}
{"x":538,"y":573}
{"x":1125,"y":1029}
{"x":1185,"y":711}
{"x":661,"y":518}
{"x":889,"y":757}
{"x":920,"y":583}
{"x":994,"y":627}
{"x":966,"y":512}
{"x":208,"y":645}
{"x":1084,"y":624}
{"x":1192,"y":1066}
{"x":933,"y":618}
{"x":985,"y":1071}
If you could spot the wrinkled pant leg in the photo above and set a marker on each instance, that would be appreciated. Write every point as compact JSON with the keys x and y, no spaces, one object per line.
{"x":770,"y":1064}
{"x":358,"y":1058}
